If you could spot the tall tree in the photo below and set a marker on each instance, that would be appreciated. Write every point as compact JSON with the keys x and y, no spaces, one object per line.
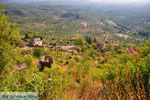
{"x":9,"y":36}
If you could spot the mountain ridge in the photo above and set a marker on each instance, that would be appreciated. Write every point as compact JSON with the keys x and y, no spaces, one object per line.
{"x":9,"y":1}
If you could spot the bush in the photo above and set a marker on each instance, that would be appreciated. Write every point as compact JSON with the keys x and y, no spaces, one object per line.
{"x":80,"y":41}
{"x":28,"y":60}
{"x":38,"y":52}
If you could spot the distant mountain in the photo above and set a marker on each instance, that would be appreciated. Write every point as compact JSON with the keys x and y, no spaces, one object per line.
{"x":60,"y":1}
{"x":7,"y":1}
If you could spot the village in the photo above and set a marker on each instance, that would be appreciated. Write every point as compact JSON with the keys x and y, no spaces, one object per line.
{"x":75,"y":49}
{"x":47,"y":60}
{"x":38,"y":42}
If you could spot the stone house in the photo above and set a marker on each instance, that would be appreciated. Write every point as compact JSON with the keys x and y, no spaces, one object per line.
{"x":45,"y":44}
{"x":35,"y":42}
{"x":71,"y":47}
{"x":65,"y":48}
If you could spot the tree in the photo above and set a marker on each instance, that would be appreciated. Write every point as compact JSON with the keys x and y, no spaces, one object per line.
{"x":80,"y":41}
{"x":95,"y":40}
{"x":9,"y":37}
{"x":38,"y":52}
{"x":110,"y":47}
{"x":88,"y":39}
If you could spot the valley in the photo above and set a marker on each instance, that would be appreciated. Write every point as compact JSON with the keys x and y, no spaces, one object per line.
{"x":52,"y":18}
{"x":75,"y":50}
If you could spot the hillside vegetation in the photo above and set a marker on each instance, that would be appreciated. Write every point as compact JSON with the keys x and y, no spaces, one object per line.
{"x":57,"y":18}
{"x":85,"y":73}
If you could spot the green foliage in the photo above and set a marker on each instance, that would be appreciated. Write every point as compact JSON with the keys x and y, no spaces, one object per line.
{"x":94,"y":45}
{"x":28,"y":60}
{"x":145,"y":66}
{"x":88,"y":73}
{"x":146,"y":49}
{"x":119,"y":49}
{"x":80,"y":41}
{"x":38,"y":52}
{"x":54,"y":84}
{"x":110,"y":47}
{"x":77,"y":59}
{"x":9,"y":37}
{"x":88,"y":39}
{"x":95,"y":40}
{"x":27,"y":37}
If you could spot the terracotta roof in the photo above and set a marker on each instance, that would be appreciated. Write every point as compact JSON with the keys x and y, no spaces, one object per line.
{"x":131,"y":50}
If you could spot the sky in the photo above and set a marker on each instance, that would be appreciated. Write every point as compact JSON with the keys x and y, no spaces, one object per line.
{"x":123,"y":1}
{"x":101,"y":1}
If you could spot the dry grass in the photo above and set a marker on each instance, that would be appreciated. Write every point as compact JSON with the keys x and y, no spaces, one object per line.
{"x":123,"y":89}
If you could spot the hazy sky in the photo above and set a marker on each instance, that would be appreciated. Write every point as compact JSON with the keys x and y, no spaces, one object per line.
{"x":123,"y":1}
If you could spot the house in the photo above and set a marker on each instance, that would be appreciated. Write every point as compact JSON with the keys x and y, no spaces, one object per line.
{"x":131,"y":50}
{"x":45,"y":44}
{"x":35,"y":42}
{"x":67,"y":48}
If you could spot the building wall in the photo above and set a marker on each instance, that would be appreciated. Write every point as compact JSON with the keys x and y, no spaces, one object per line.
{"x":35,"y":43}
{"x":38,"y":43}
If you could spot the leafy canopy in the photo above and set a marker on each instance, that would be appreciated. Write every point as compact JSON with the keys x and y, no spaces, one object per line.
{"x":9,"y":37}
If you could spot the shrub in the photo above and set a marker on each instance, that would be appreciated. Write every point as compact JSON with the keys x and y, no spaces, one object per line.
{"x":80,"y":41}
{"x":38,"y":52}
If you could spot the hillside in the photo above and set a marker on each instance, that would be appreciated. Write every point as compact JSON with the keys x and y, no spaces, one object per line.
{"x":51,"y":18}
{"x":63,"y":51}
